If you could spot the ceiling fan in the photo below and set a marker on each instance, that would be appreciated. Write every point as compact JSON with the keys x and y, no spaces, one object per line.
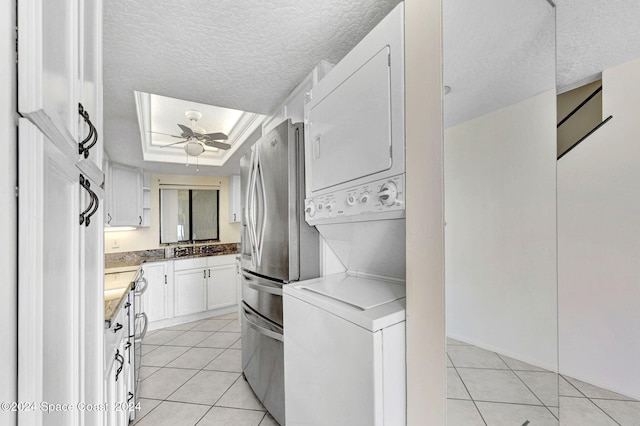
{"x":196,"y":138}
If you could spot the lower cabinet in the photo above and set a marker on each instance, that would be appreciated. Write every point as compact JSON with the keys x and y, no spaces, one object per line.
{"x":189,"y":286}
{"x":190,"y":291}
{"x":119,"y":371}
{"x":221,"y":289}
{"x":158,"y":297}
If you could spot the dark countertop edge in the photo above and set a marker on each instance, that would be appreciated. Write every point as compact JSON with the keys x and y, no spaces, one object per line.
{"x":107,"y":322}
{"x":146,"y":259}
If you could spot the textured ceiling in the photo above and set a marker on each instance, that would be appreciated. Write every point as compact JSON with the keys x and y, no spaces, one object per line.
{"x":594,"y":35}
{"x":241,"y":54}
{"x":249,"y":54}
{"x":496,"y":53}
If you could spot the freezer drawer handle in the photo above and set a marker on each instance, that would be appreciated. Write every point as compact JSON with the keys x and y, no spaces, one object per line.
{"x":259,"y":329}
{"x":263,"y":285}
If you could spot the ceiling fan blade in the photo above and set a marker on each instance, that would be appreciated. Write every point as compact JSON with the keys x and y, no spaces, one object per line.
{"x":219,"y":145}
{"x":166,"y":134}
{"x":186,"y":130}
{"x":215,"y":136}
{"x":175,"y":143}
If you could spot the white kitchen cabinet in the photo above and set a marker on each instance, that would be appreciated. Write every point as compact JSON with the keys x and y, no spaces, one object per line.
{"x":146,"y":200}
{"x":124,"y":189}
{"x":60,"y":67}
{"x":158,"y":298}
{"x":221,"y":289}
{"x":234,"y":199}
{"x":204,"y":283}
{"x":190,"y":291}
{"x":60,"y":265}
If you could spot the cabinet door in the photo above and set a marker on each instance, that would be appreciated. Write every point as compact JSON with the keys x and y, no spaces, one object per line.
{"x":126,"y":195}
{"x":48,"y":66}
{"x":50,"y":307}
{"x":221,"y":286}
{"x":234,"y":198}
{"x":156,"y":303}
{"x":190,"y":291}
{"x":91,"y":72}
{"x":92,"y":284}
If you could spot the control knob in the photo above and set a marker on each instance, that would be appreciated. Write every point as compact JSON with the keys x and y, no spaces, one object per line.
{"x":351,"y":200}
{"x":364,"y":198}
{"x":310,"y":210}
{"x":388,"y":194}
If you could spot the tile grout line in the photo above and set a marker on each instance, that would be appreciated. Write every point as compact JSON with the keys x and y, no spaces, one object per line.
{"x":467,"y":389}
{"x":198,"y":371}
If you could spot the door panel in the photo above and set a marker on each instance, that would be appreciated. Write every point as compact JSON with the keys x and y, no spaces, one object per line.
{"x":190,"y":291}
{"x":221,"y":289}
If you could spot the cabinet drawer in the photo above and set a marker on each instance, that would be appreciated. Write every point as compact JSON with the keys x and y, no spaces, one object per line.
{"x":227,"y":259}
{"x":195,"y":263}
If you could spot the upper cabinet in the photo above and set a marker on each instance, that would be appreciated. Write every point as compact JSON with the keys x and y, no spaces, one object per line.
{"x":60,"y":72}
{"x":125,"y":196}
{"x":234,"y":198}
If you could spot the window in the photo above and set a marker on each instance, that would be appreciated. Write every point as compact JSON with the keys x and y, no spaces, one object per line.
{"x":188,"y":215}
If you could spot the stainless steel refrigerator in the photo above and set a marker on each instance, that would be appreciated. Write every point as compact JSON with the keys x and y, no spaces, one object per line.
{"x":278,"y":248}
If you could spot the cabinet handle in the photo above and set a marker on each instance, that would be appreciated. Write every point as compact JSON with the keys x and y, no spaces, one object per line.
{"x":234,"y":217}
{"x":140,"y":220}
{"x":85,"y":216}
{"x":165,"y":279}
{"x":109,"y":220}
{"x":120,"y":359}
{"x":128,"y":345}
{"x":130,"y":396}
{"x":92,"y":136}
{"x":209,"y":273}
{"x":204,"y":273}
{"x":117,"y":327}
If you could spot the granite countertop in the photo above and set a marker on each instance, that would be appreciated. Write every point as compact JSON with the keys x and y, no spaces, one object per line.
{"x":135,"y":258}
{"x":117,"y":285}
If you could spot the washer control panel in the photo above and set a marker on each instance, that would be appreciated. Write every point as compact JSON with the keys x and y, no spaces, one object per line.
{"x":380,"y":196}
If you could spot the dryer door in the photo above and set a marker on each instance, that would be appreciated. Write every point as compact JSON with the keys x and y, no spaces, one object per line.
{"x":350,"y":128}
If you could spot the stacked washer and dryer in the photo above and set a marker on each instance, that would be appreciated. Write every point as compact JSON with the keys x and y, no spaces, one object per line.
{"x":344,"y":334}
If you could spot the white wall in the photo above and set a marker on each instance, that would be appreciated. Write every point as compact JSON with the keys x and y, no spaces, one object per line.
{"x":599,"y":244}
{"x":500,"y":235}
{"x":8,"y":213}
{"x":149,"y":238}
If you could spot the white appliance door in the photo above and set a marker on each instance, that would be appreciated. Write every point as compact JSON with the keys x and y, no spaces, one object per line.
{"x":333,"y":369}
{"x":350,"y":128}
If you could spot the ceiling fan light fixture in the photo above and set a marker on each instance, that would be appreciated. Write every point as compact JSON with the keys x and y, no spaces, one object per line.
{"x":194,"y":148}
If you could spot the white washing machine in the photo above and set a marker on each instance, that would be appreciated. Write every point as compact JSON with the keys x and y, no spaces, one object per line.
{"x":345,"y":351}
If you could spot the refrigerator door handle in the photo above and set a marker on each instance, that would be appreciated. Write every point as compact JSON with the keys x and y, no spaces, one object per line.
{"x":251,"y":208}
{"x":252,"y":321}
{"x":263,"y":207}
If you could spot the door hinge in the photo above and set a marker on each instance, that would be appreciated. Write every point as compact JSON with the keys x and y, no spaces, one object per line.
{"x":16,"y":44}
{"x":17,"y":192}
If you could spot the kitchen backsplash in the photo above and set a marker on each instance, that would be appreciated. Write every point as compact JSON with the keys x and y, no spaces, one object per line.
{"x":135,"y":258}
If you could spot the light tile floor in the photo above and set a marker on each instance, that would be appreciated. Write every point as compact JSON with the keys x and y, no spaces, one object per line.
{"x":486,"y":388}
{"x":191,"y":375}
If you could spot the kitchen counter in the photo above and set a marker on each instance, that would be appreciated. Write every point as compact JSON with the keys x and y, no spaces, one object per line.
{"x":136,"y":258}
{"x":117,"y":285}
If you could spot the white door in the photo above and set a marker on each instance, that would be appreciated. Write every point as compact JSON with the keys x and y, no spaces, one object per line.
{"x":126,"y":195}
{"x":190,"y":291}
{"x":156,"y":305}
{"x":49,"y":333}
{"x":48,"y":66}
{"x":221,"y":286}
